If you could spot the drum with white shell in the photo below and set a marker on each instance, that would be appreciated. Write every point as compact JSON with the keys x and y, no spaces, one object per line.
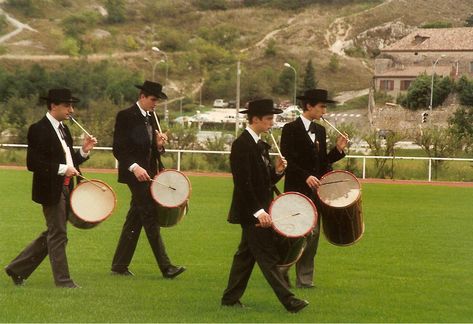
{"x":91,"y":202}
{"x":342,"y":218}
{"x":171,"y":191}
{"x":293,"y":217}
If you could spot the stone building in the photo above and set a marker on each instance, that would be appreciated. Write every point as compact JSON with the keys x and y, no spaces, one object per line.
{"x":444,"y":51}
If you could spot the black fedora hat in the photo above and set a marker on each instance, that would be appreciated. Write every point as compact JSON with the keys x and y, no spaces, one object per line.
{"x":60,"y":95}
{"x":153,"y":88}
{"x":316,"y":95}
{"x":261,"y":107}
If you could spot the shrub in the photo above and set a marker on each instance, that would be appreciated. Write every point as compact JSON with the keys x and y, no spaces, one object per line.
{"x":30,"y":8}
{"x":116,"y":11}
{"x":172,"y":40}
{"x":70,"y":46}
{"x":76,"y":25}
{"x":334,"y":63}
{"x":271,"y":50}
{"x":211,"y":4}
{"x":437,"y":24}
{"x":3,"y":23}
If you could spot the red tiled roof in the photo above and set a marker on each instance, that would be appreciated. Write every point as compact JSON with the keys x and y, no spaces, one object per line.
{"x":435,"y":39}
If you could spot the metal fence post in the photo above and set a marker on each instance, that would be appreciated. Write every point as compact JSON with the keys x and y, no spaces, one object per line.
{"x":430,"y":169}
{"x":364,"y":167}
{"x":179,"y":160}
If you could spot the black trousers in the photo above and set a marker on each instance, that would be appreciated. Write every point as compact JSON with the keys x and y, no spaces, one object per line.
{"x":257,"y":245}
{"x":142,"y":213}
{"x":53,"y":241}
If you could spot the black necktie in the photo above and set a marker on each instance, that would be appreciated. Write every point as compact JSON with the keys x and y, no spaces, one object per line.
{"x":312,"y":129}
{"x":62,"y":131}
{"x":149,"y":128}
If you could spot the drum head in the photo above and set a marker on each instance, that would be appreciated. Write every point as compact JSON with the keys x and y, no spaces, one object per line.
{"x":170,"y":188}
{"x":339,"y":189}
{"x":293,"y":214}
{"x":92,"y":201}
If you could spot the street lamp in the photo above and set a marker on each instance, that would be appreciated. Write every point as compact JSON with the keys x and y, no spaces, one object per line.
{"x":432,"y":83}
{"x":157,"y":50}
{"x":154,"y":66}
{"x":295,"y":80}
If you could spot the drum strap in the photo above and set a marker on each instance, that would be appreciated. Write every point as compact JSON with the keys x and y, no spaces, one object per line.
{"x":276,"y":190}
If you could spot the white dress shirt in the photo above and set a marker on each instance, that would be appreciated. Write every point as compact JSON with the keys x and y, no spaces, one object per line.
{"x":69,"y":162}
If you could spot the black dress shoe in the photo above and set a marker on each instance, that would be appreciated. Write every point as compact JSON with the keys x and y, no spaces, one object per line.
{"x":173,"y":271}
{"x":123,"y":273}
{"x":295,"y":305}
{"x":236,"y":304}
{"x":17,"y":280}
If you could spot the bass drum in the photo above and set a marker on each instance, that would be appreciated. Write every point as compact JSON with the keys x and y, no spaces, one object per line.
{"x":293,"y":216}
{"x":91,"y":202}
{"x":342,"y":218}
{"x":171,"y":191}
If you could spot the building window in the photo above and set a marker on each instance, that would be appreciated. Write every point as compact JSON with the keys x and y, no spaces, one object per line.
{"x":405,"y":84}
{"x":386,"y":85}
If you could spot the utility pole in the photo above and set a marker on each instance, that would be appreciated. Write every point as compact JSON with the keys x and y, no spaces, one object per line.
{"x":237,"y":112}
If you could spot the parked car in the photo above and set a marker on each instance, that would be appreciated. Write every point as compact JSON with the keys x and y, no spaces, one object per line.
{"x":220,"y":103}
{"x":231,"y":104}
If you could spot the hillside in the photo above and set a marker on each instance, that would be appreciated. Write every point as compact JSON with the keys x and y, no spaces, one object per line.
{"x":207,"y":43}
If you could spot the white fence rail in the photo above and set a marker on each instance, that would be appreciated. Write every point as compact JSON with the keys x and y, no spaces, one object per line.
{"x":364,"y":158}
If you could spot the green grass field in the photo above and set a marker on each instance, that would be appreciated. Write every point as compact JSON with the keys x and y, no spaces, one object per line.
{"x":413,"y":264}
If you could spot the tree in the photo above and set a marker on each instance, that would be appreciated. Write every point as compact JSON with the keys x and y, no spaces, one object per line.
{"x":465,"y":89}
{"x":309,"y":82}
{"x":116,"y":11}
{"x":461,"y":124}
{"x":418,"y":94}
{"x":438,"y":142}
{"x":383,"y":147}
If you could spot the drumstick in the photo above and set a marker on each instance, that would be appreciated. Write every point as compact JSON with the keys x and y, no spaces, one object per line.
{"x":75,"y":121}
{"x":282,"y":217}
{"x":277,"y":219}
{"x":162,"y":184}
{"x":101,"y":187}
{"x":337,"y":181}
{"x":343,"y":135}
{"x":157,"y":121}
{"x":275,"y":143}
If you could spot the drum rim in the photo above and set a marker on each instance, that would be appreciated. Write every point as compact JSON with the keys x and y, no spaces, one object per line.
{"x":106,"y":185}
{"x":340,"y":171}
{"x":314,"y":223}
{"x":171,"y":206}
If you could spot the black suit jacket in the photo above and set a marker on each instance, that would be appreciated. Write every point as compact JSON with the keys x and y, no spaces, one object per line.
{"x":131,"y":144}
{"x":43,"y":157}
{"x":303,"y":158}
{"x":252,"y":180}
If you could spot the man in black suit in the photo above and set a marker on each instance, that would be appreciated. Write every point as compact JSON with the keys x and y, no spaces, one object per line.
{"x":54,"y":162}
{"x":304,"y":144}
{"x":137,"y":145}
{"x":253,"y":179}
